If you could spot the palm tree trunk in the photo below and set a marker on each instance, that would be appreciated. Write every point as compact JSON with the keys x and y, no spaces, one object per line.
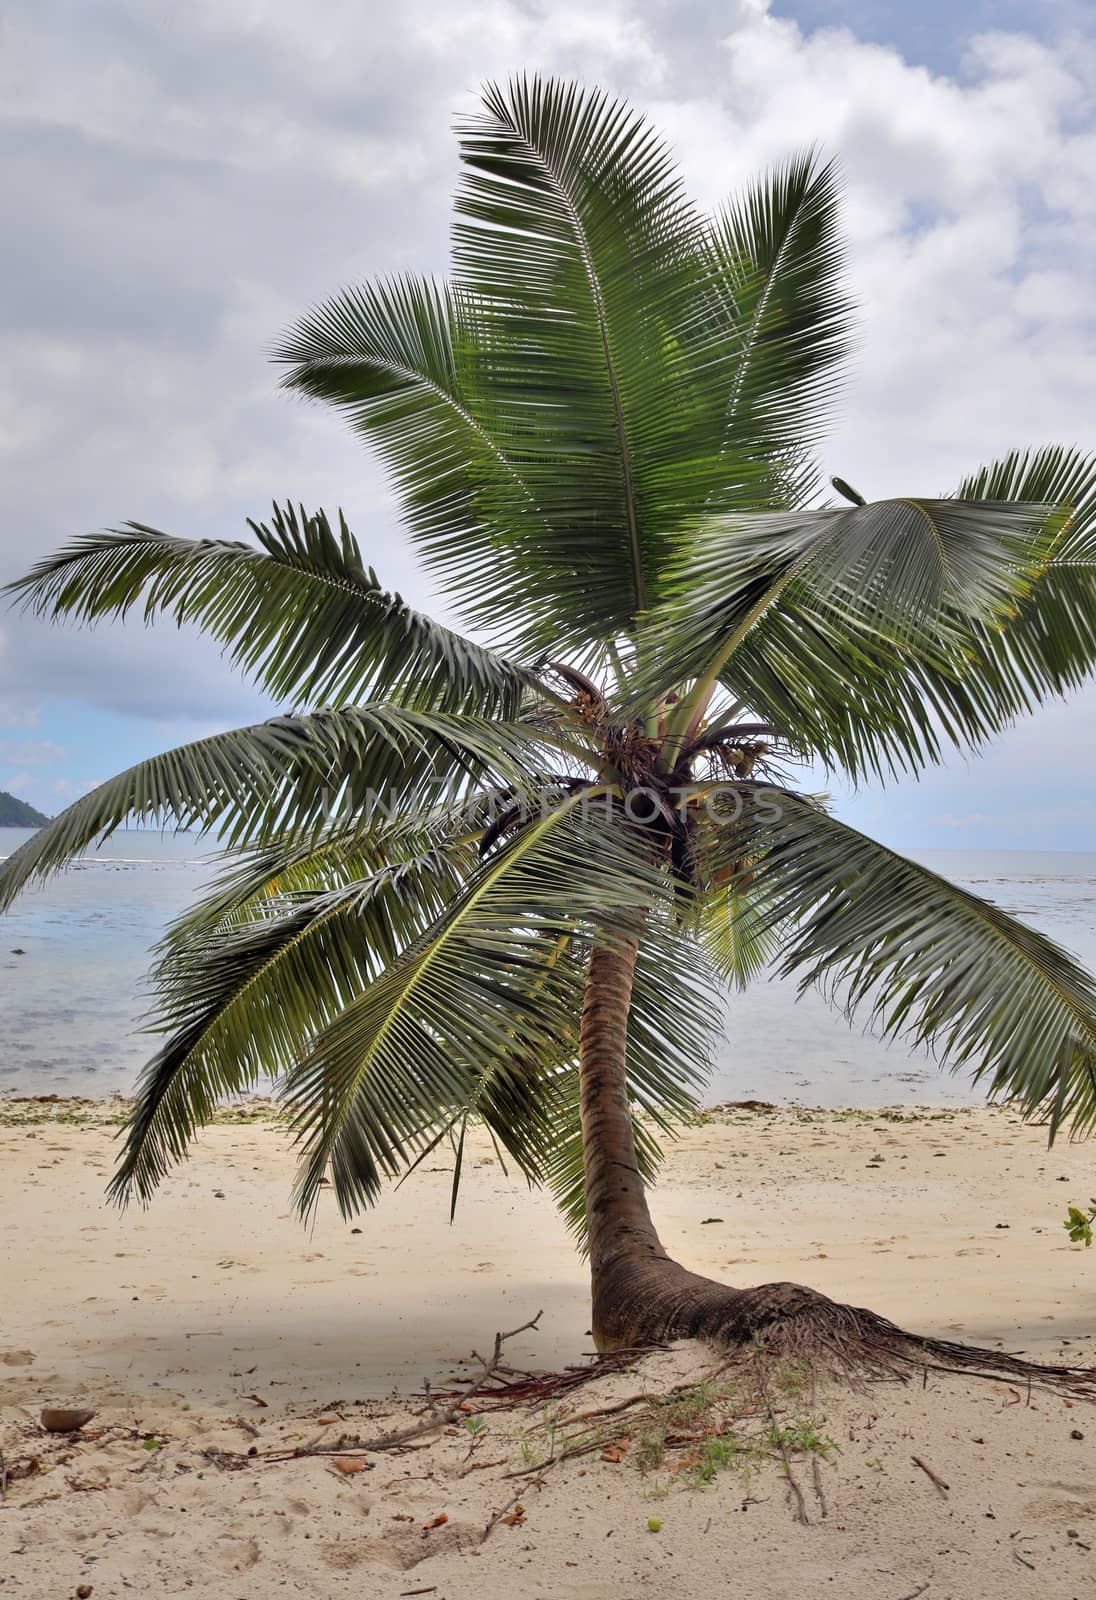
{"x":639,"y":1293}
{"x":641,"y":1296}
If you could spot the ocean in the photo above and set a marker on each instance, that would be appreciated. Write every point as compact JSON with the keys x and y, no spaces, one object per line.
{"x":74,"y":951}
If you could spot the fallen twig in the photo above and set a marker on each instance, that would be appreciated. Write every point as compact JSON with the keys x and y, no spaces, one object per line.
{"x":935,"y":1476}
{"x":501,"y":1512}
{"x":778,"y":1439}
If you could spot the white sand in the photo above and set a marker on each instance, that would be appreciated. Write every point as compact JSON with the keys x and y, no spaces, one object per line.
{"x":167,"y":1320}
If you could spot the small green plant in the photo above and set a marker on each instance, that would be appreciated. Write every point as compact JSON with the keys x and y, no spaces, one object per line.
{"x":724,"y":1450}
{"x":475,"y":1426}
{"x":1078,"y":1224}
{"x":801,"y":1434}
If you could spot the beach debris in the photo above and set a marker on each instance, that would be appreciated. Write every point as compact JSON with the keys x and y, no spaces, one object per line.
{"x":515,"y":1518}
{"x":349,"y":1465}
{"x":929,"y":1473}
{"x":1075,"y":1433}
{"x":83,"y":1590}
{"x":654,"y":1524}
{"x":258,"y":1399}
{"x":436,"y":1419}
{"x":708,"y":1220}
{"x":503,"y":1514}
{"x":436,"y":1522}
{"x":64,"y":1419}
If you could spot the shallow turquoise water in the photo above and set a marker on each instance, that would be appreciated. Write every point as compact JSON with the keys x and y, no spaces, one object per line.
{"x":70,"y":1004}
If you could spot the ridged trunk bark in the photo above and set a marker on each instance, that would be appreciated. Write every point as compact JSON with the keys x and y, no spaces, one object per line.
{"x":641,"y":1296}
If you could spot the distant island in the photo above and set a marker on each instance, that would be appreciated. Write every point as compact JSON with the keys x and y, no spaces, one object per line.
{"x":18,"y":814}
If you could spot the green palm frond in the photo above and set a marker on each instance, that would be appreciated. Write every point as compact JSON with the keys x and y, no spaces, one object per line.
{"x":872,"y":703}
{"x":1047,"y":645}
{"x":927,"y":960}
{"x":595,"y":356}
{"x":733,"y":929}
{"x":395,"y":358}
{"x":778,"y":257}
{"x":819,"y":621}
{"x":253,"y":877}
{"x":478,"y":1003}
{"x":897,"y":570}
{"x":242,"y":1002}
{"x":288,"y":778}
{"x":299,"y":612}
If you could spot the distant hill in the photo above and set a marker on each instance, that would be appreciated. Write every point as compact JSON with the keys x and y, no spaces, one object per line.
{"x":17,"y":814}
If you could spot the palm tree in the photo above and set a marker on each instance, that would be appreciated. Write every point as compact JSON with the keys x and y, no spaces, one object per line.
{"x":506,"y":882}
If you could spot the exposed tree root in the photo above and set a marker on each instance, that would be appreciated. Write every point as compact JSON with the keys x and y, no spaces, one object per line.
{"x":655,"y":1299}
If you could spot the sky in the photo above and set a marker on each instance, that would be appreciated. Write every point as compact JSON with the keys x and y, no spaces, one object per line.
{"x":179,"y":183}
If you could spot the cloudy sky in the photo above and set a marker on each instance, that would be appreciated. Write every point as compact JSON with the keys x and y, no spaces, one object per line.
{"x":181,"y":181}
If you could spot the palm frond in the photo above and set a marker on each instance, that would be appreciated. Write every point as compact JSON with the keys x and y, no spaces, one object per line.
{"x":881,"y":705}
{"x":299,"y":612}
{"x":820,"y":621}
{"x":1046,"y":645}
{"x":395,"y":358}
{"x":478,"y":1008}
{"x":595,"y":359}
{"x":925,"y":959}
{"x":778,"y":257}
{"x":287,"y":778}
{"x":240,"y":1002}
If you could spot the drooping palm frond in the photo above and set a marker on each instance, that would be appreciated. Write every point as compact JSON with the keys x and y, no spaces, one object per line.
{"x":241,"y":1002}
{"x":733,"y":929}
{"x":926,"y":959}
{"x":898,"y":570}
{"x":288,"y":778}
{"x":255,"y":877}
{"x":480,"y":1002}
{"x":300,"y":612}
{"x":882,"y":702}
{"x":819,"y":621}
{"x":1047,"y":644}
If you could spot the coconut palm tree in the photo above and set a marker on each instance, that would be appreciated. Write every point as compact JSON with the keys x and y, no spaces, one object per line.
{"x":506,"y":882}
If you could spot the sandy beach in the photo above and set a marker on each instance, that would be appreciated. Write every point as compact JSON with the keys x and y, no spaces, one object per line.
{"x":214,"y":1322}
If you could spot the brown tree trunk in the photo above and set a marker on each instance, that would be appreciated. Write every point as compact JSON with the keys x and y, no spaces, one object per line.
{"x":641,"y":1296}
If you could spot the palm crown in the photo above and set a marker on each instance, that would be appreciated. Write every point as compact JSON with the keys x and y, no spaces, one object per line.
{"x":602,"y":436}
